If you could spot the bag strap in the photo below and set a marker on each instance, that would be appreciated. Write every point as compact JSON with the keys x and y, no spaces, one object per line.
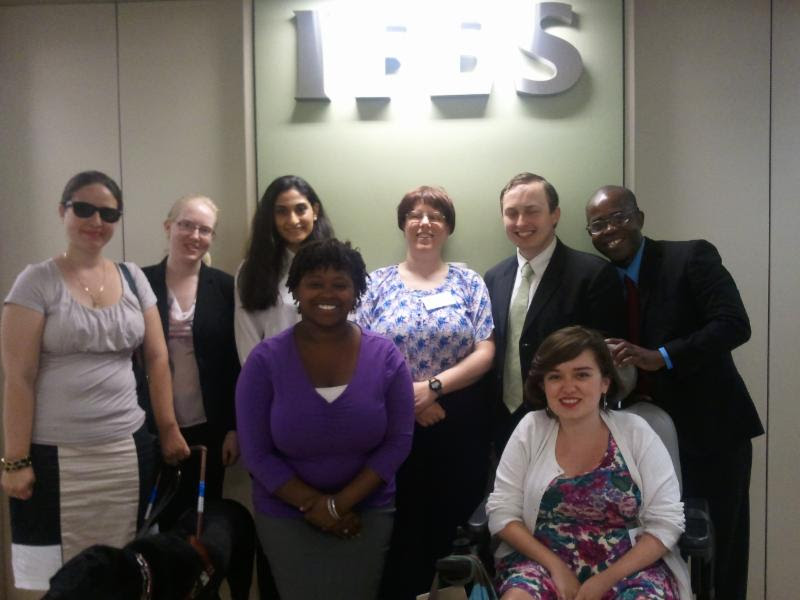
{"x":138,"y":354}
{"x":126,"y":273}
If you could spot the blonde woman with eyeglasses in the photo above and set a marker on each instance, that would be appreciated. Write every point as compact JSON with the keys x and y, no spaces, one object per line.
{"x":195,"y":304}
{"x":78,"y":459}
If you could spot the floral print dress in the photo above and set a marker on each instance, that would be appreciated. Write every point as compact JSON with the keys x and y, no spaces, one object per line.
{"x":586,"y":520}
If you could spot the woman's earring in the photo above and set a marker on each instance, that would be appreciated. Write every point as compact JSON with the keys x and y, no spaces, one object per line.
{"x":549,"y":412}
{"x":603,"y":401}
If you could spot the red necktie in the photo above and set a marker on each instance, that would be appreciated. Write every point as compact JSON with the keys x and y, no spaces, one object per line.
{"x":634,"y":317}
{"x":644,"y":383}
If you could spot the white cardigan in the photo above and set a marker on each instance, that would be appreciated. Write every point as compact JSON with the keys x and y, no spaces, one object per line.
{"x":528,"y":465}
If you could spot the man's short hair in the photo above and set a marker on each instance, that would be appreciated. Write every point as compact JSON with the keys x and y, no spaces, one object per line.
{"x":526,"y":178}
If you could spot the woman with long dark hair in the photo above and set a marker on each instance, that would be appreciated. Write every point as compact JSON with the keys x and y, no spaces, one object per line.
{"x":288,"y":215}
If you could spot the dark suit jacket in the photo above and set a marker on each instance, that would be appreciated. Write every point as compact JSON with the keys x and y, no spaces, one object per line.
{"x":577,"y":288}
{"x":691,"y":306}
{"x":214,"y":344}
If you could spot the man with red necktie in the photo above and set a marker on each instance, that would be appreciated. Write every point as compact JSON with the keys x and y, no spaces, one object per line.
{"x":685,"y":316}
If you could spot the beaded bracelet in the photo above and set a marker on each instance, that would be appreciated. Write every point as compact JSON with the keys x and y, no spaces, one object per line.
{"x":16,"y":465}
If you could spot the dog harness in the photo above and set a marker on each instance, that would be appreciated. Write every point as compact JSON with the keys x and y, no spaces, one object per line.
{"x":208,"y":569}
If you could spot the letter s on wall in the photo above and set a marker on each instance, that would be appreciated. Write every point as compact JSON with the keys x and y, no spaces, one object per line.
{"x":558,"y":53}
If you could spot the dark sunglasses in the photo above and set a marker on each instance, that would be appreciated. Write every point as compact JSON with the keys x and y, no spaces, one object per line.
{"x":84,"y":210}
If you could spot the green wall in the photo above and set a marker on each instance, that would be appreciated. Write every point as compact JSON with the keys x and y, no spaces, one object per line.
{"x":361,"y":157}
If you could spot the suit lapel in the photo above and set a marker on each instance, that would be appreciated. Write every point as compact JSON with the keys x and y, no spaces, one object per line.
{"x":548,"y":284}
{"x":504,"y":285}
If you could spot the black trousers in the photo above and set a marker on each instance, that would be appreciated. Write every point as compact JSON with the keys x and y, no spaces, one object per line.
{"x":723,"y":478}
{"x":438,"y":487}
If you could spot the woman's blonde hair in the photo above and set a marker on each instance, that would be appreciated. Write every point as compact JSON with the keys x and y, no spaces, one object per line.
{"x":181,"y":202}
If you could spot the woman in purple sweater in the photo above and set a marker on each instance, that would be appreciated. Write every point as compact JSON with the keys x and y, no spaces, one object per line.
{"x":325,"y":415}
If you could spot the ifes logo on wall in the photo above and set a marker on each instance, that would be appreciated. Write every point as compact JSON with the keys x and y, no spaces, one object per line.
{"x":374,"y":54}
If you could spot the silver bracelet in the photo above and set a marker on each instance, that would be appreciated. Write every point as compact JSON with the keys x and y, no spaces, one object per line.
{"x":331,"y":503}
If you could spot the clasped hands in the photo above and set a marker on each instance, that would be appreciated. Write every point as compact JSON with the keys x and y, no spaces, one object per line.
{"x":569,"y":588}
{"x":315,"y":511}
{"x":427,"y":409}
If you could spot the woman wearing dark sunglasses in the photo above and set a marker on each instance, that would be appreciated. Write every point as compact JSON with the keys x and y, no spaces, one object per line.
{"x":73,"y":426}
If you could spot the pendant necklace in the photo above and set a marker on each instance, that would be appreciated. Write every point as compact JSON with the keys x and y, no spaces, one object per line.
{"x":95,"y":297}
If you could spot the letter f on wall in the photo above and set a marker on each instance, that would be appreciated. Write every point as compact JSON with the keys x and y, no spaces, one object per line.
{"x":559,"y":54}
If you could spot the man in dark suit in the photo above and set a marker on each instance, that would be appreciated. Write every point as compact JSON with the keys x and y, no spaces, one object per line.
{"x":545,"y":286}
{"x":685,"y":315}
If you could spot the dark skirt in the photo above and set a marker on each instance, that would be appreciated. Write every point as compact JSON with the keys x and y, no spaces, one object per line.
{"x":309,"y":564}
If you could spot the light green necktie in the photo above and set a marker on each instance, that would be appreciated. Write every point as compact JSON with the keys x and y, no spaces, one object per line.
{"x":512,"y":377}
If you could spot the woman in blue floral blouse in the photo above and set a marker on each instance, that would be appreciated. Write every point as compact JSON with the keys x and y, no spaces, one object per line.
{"x":439,"y":316}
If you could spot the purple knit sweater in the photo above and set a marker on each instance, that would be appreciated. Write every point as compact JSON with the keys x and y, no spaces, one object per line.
{"x":286,"y":429}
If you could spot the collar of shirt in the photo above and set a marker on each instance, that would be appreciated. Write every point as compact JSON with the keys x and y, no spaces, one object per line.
{"x":538,"y":264}
{"x":632,"y":270}
{"x":540,"y":261}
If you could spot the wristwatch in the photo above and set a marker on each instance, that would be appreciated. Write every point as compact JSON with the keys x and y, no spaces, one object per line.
{"x":435,"y":385}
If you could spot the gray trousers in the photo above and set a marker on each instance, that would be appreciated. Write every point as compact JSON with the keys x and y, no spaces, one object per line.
{"x":309,"y":564}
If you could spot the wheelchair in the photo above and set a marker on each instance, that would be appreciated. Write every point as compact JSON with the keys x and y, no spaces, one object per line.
{"x":471,"y":562}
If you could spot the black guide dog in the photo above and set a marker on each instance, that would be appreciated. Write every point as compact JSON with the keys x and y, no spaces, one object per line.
{"x":167,"y":566}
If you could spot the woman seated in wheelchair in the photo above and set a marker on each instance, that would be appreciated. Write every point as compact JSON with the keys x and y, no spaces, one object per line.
{"x":586,"y":502}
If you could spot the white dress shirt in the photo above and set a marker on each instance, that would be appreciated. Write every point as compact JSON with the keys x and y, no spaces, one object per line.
{"x":538,"y":264}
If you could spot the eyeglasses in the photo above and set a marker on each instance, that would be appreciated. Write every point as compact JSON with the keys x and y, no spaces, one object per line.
{"x":415,"y":217}
{"x":617,"y":219}
{"x":189,"y":228}
{"x":84,"y":210}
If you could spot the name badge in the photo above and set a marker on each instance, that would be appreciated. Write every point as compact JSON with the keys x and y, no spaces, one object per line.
{"x":439,"y":300}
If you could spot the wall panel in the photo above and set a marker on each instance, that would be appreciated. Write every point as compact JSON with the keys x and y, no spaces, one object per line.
{"x":783,"y":535}
{"x":700,"y":147}
{"x":182,"y":119}
{"x":58,"y":93}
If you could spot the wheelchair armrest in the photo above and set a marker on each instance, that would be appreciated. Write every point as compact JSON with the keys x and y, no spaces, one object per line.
{"x":478,"y":523}
{"x":456,"y":569}
{"x":698,"y":539}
